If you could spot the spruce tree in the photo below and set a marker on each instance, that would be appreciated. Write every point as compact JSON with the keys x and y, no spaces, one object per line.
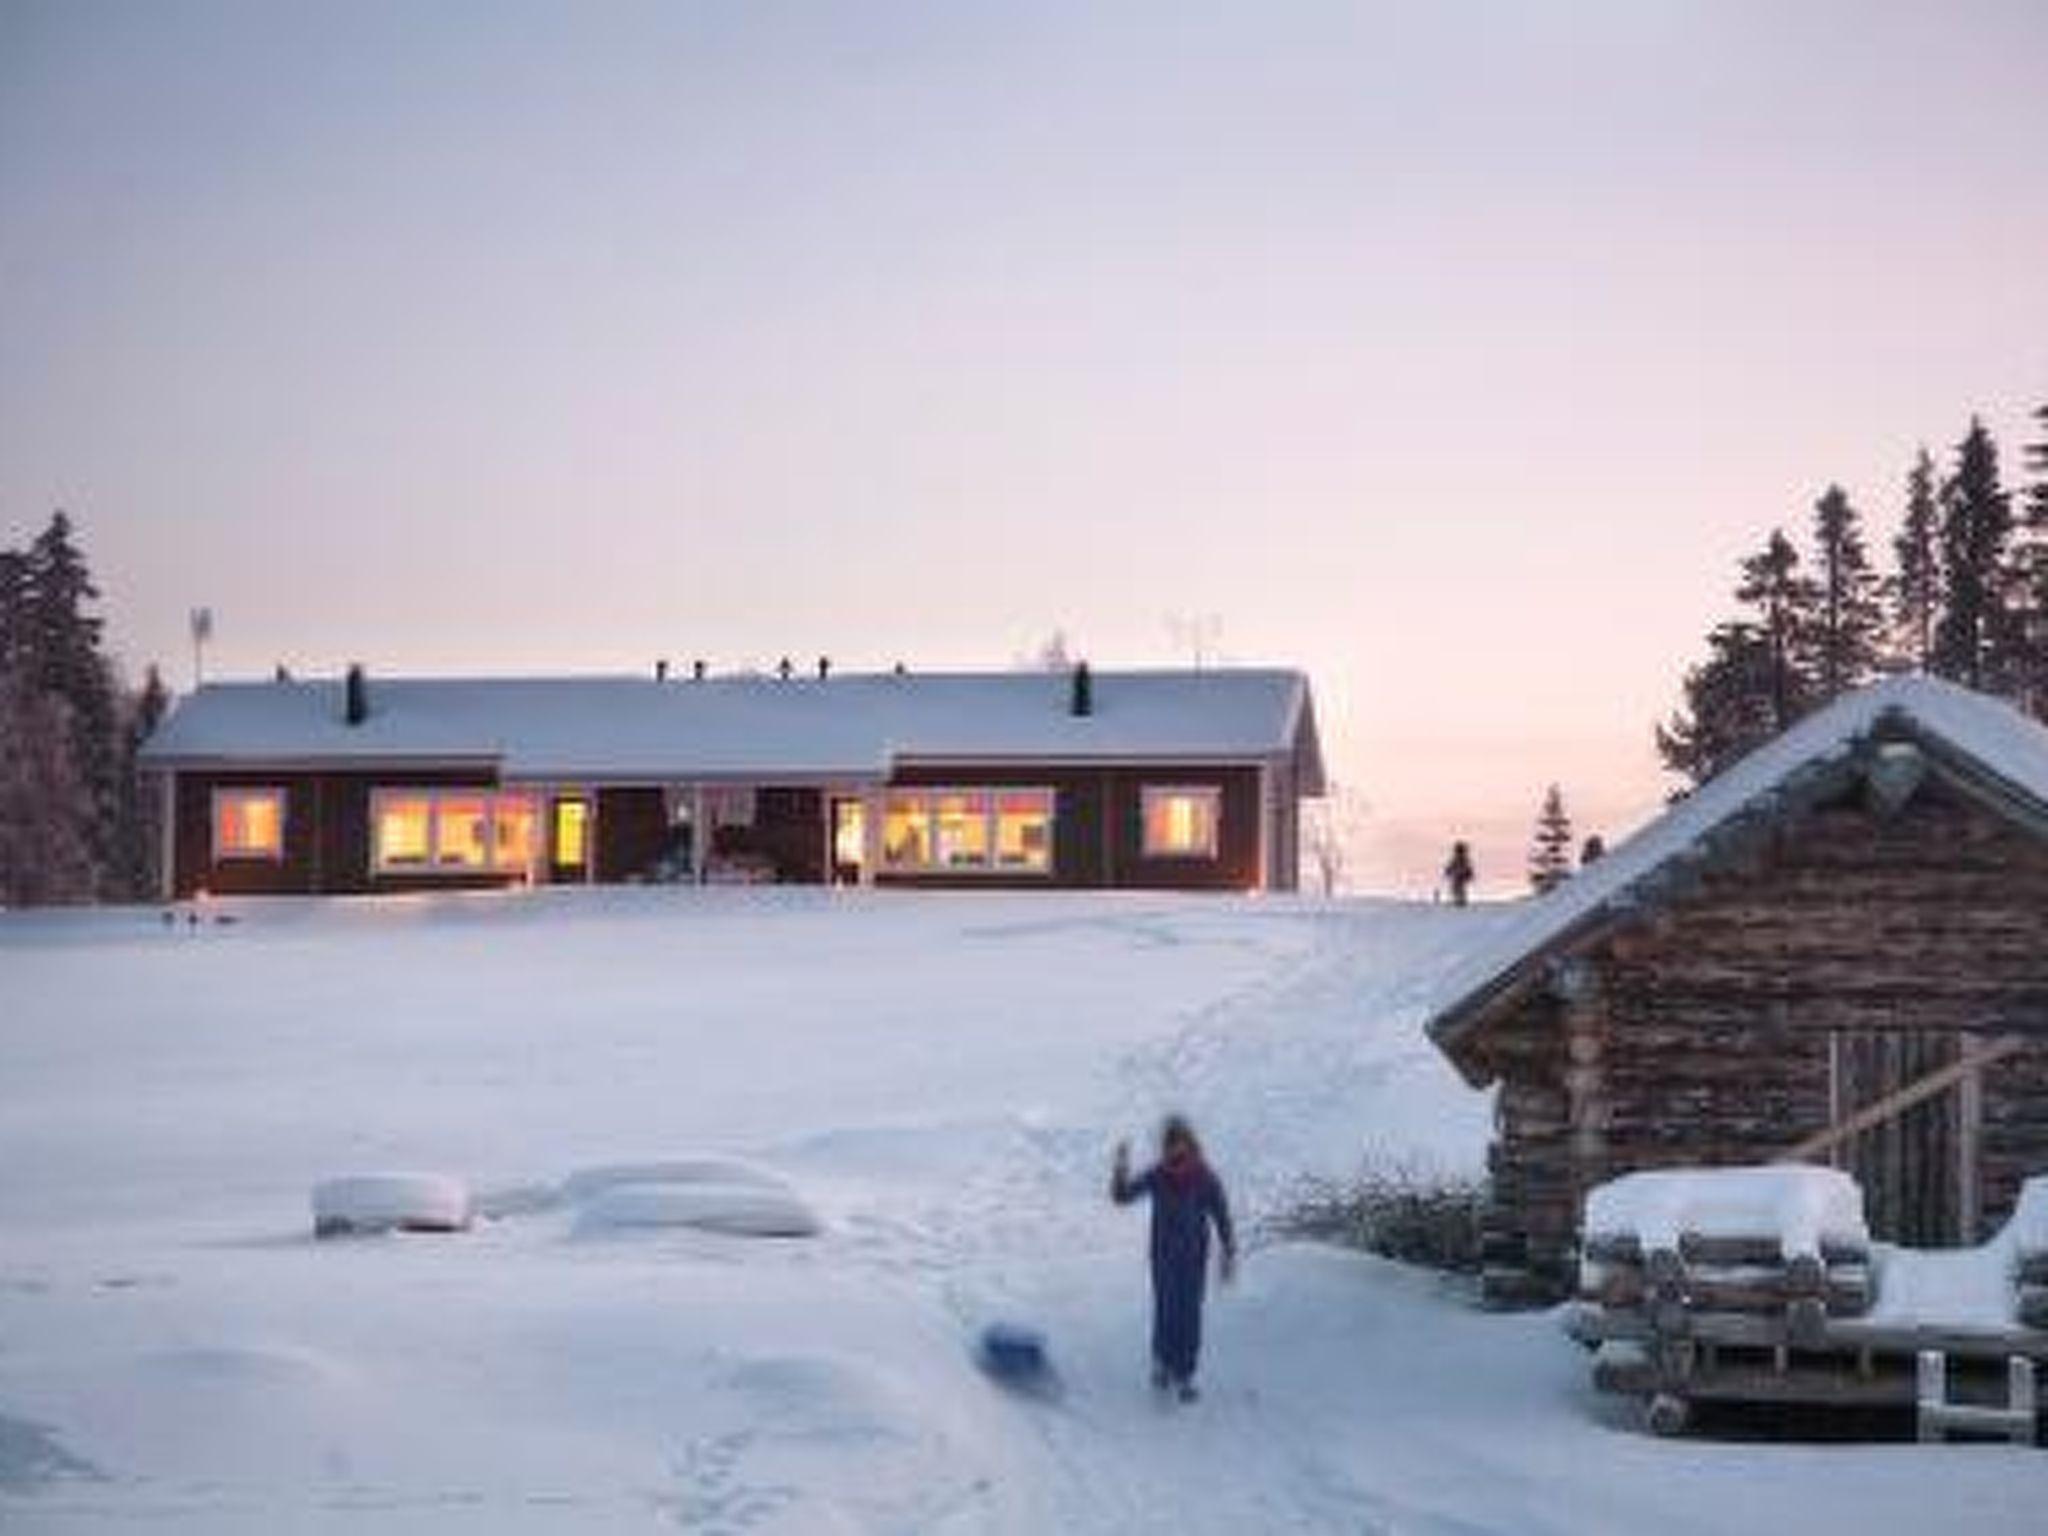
{"x":1976,"y":639}
{"x":1915,"y":584}
{"x":14,"y":649}
{"x":63,"y":643}
{"x":1844,"y":640}
{"x":2037,"y":466}
{"x":1784,"y":600}
{"x":46,"y":824}
{"x":1550,"y":857}
{"x":140,"y":824}
{"x":1726,"y":708}
{"x":2030,"y":562}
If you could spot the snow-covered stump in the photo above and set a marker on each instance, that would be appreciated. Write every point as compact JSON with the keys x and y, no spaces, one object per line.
{"x":390,"y":1202}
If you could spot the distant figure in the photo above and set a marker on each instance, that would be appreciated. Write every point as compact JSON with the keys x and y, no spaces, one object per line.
{"x":1593,"y":850}
{"x":1459,"y":874}
{"x":1187,"y":1198}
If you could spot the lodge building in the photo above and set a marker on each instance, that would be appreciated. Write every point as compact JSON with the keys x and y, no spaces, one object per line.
{"x":1148,"y":779}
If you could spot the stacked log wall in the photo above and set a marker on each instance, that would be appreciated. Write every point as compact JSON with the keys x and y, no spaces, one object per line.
{"x":1723,"y":1018}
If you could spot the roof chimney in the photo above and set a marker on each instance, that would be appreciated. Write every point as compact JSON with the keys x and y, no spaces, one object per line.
{"x":697,"y":669}
{"x":661,"y":669}
{"x":824,"y":666}
{"x":1083,"y":700}
{"x":784,"y":667}
{"x":355,"y":708}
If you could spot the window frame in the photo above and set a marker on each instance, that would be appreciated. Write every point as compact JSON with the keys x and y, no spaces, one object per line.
{"x":929,"y":796}
{"x":1151,"y":795}
{"x":432,"y":866}
{"x":222,"y":792}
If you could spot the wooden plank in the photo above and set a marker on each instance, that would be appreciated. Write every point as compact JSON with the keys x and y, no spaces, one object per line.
{"x":1969,"y":1143}
{"x":1849,"y":1336}
{"x":1895,"y":1104}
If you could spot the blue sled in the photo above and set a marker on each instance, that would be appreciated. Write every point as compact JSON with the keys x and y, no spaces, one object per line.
{"x":1015,"y":1357}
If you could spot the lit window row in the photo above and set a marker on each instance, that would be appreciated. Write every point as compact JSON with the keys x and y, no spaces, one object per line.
{"x":427,"y":831}
{"x":966,"y":831}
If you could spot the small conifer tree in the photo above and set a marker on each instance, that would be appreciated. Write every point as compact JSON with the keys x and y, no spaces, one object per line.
{"x":1550,"y":855}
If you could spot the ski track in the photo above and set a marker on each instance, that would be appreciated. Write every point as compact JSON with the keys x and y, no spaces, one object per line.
{"x":1277,"y":1053}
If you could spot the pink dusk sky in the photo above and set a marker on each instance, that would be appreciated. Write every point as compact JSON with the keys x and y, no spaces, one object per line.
{"x":1451,"y":352}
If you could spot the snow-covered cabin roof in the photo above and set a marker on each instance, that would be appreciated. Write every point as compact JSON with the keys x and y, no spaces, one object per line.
{"x":1985,"y":742}
{"x":852,"y":726}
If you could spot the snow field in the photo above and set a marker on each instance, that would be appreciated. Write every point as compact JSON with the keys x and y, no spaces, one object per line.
{"x":938,"y":1079}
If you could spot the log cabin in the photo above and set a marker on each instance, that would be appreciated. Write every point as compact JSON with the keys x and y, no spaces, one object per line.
{"x":1835,"y":951}
{"x":1150,"y":779}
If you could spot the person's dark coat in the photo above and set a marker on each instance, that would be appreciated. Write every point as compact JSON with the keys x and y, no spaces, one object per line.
{"x":1187,"y":1199}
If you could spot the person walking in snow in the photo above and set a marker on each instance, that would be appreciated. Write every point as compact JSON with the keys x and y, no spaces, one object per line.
{"x":1459,"y":873}
{"x":1187,"y":1198}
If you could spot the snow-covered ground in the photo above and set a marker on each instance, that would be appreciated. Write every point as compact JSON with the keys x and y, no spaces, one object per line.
{"x":940,"y":1078}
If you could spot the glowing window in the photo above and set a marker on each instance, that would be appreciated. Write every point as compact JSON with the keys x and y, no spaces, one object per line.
{"x":1024,"y":830}
{"x":512,"y":827}
{"x":402,"y":828}
{"x":1181,"y":823}
{"x":248,"y":824}
{"x":961,"y":839}
{"x":849,"y":833}
{"x":968,"y":831}
{"x":452,"y":831}
{"x":462,"y":832}
{"x":572,"y":833}
{"x":907,"y":832}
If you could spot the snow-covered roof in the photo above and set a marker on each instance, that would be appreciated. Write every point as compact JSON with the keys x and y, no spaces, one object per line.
{"x":853,"y":726}
{"x":2002,"y":749}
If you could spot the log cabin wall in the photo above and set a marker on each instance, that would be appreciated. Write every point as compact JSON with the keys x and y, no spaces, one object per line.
{"x":1844,"y":956}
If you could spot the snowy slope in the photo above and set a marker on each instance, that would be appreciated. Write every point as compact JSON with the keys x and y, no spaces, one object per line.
{"x":939,"y":1077}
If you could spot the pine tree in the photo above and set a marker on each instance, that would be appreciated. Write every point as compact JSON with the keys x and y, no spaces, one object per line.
{"x":46,"y":850}
{"x":63,"y":644}
{"x":1727,"y":705}
{"x":140,"y":823}
{"x":14,"y":649}
{"x":2030,"y":563}
{"x":1844,"y":640}
{"x":1550,"y":857}
{"x":1784,"y":601}
{"x":1915,"y":585}
{"x":2037,"y":464}
{"x":1976,"y":640}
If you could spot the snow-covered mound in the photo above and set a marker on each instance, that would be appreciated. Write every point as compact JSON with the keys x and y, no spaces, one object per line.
{"x":1801,"y":1207}
{"x":737,"y":1210}
{"x":587,"y":1183}
{"x":390,"y":1202}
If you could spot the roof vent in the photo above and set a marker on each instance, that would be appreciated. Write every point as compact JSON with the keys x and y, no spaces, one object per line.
{"x":784,"y":667}
{"x":824,"y":666}
{"x":697,"y":669}
{"x":1082,"y":701}
{"x":355,"y":707}
{"x":661,"y":669}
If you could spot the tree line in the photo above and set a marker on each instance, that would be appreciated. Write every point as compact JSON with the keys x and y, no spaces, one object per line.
{"x":1964,"y":596}
{"x":77,"y":822}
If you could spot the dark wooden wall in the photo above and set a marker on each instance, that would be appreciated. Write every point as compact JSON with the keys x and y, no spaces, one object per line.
{"x":326,"y":835}
{"x":632,"y":825}
{"x":1847,"y":954}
